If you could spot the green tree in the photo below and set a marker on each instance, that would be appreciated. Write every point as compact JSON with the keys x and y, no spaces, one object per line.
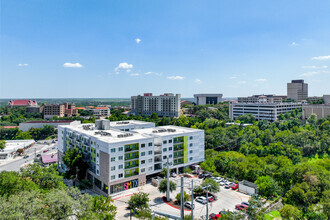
{"x":73,"y":159}
{"x":139,"y":201}
{"x":2,"y":144}
{"x":290,"y":212}
{"x":267,"y":186}
{"x":213,"y":186}
{"x":185,"y":197}
{"x":163,"y":186}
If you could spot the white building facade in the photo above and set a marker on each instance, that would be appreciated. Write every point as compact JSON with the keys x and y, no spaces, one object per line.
{"x":262,"y":111}
{"x":167,"y":105}
{"x":205,"y":99}
{"x":120,"y":160}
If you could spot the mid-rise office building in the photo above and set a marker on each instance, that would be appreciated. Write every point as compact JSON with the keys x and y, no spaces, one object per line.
{"x":120,"y":160}
{"x":59,"y":110}
{"x":297,"y":90}
{"x":264,"y":98}
{"x":322,"y":111}
{"x":205,"y":99}
{"x":263,"y":110}
{"x":167,"y":105}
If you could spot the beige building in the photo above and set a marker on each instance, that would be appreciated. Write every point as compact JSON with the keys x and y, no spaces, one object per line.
{"x":322,"y":111}
{"x":264,"y":98}
{"x":51,"y":110}
{"x":297,"y":90}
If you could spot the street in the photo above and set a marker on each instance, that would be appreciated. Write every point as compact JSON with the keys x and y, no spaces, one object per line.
{"x":18,"y":162}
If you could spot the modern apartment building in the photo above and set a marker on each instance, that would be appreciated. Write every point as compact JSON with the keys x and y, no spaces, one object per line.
{"x":297,"y":90}
{"x":98,"y":111}
{"x":264,"y":98}
{"x":263,"y":110}
{"x":120,"y":160}
{"x":167,"y":105}
{"x":205,"y":99}
{"x":322,"y":111}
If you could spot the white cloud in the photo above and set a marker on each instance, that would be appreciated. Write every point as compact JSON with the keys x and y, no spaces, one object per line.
{"x":153,"y":73}
{"x":241,"y":82}
{"x":72,"y":65}
{"x":137,"y":40}
{"x":135,"y":74}
{"x":198,"y":81}
{"x":310,"y":73}
{"x":293,"y":44}
{"x":175,"y":77}
{"x":124,"y":66}
{"x":260,"y":80}
{"x":22,"y":64}
{"x":321,"y":58}
{"x":314,"y":67}
{"x":233,"y":77}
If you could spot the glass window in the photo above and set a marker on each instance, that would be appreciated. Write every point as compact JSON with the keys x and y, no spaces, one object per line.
{"x":113,"y":177}
{"x":150,"y":160}
{"x":191,"y":137}
{"x":170,"y":141}
{"x":113,"y":159}
{"x":190,"y":158}
{"x":150,"y":144}
{"x":113,"y":168}
{"x":143,"y":170}
{"x":120,"y":157}
{"x":164,"y":149}
{"x":164,"y":157}
{"x":113,"y":150}
{"x":191,"y":151}
{"x":97,"y":155}
{"x":143,"y":153}
{"x":120,"y":149}
{"x":164,"y":142}
{"x":191,"y":145}
{"x":120,"y":175}
{"x":120,"y":167}
{"x":150,"y":152}
{"x":170,"y":155}
{"x":170,"y":148}
{"x":143,"y":161}
{"x":150,"y":168}
{"x":143,"y":145}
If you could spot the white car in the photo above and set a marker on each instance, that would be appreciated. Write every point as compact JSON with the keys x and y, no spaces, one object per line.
{"x":201,"y":199}
{"x":189,"y":205}
{"x":173,"y":174}
{"x":221,"y":183}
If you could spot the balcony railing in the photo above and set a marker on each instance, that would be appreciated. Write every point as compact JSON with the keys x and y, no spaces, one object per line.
{"x":131,"y":149}
{"x":132,"y":157}
{"x":131,"y":174}
{"x":131,"y":166}
{"x":157,"y":152}
{"x":180,"y":155}
{"x":178,"y":148}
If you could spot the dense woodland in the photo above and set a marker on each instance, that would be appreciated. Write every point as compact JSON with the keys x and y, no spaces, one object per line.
{"x":287,"y":159}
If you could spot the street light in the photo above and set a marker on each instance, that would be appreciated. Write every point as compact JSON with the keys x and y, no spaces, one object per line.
{"x":207,"y":200}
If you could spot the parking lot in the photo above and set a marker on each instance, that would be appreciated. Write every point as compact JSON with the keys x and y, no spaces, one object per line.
{"x":226,"y":199}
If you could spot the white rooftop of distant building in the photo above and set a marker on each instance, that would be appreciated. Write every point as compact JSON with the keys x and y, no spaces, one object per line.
{"x":13,"y":145}
{"x":129,"y":122}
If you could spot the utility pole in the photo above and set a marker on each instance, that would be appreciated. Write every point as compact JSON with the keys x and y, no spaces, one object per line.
{"x":182,"y":200}
{"x":207,"y":201}
{"x":168,"y":180}
{"x":192,"y":200}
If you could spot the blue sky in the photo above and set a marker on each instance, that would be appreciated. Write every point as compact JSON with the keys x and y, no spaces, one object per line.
{"x":119,"y":48}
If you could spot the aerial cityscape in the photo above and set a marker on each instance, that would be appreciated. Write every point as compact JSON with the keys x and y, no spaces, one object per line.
{"x":185,"y":110}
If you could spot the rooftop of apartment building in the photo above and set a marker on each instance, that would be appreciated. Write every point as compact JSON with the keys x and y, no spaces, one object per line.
{"x":268,"y":103}
{"x":165,"y":94}
{"x":129,"y":122}
{"x":113,"y":135}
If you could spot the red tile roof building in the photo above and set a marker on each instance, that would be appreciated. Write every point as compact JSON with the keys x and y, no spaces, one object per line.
{"x":22,"y":102}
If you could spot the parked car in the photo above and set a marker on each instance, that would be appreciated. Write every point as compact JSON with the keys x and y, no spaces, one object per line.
{"x":26,"y":156}
{"x":201,"y":176}
{"x":201,"y":199}
{"x":245,"y":203}
{"x":211,"y":198}
{"x":223,"y":212}
{"x":228,"y":185}
{"x":234,"y":186}
{"x":241,"y":207}
{"x":38,"y":155}
{"x":207,"y":176}
{"x":214,"y":216}
{"x":53,"y":141}
{"x":221,"y":183}
{"x":45,"y":151}
{"x":53,"y":148}
{"x":189,"y":205}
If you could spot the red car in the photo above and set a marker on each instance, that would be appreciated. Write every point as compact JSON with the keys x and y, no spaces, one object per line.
{"x":234,"y":187}
{"x":211,"y":198}
{"x":214,"y":216}
{"x":241,"y":207}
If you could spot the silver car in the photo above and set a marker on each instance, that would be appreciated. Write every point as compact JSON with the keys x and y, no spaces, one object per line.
{"x":201,"y":199}
{"x":189,"y":205}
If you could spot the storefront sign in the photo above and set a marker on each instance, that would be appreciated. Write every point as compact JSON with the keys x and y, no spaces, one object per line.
{"x":131,"y":184}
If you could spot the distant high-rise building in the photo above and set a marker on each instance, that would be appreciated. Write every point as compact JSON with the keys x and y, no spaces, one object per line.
{"x":167,"y":105}
{"x":204,"y":99}
{"x":297,"y":90}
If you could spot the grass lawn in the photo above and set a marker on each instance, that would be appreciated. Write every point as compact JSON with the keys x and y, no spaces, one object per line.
{"x":273,"y":215}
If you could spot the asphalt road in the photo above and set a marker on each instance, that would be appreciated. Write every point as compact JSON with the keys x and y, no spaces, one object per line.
{"x":17,"y":163}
